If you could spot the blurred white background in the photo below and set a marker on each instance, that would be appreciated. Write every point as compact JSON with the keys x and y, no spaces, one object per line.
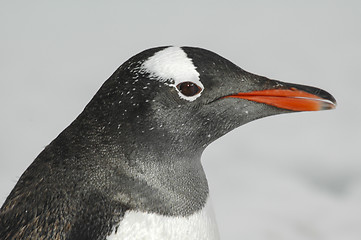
{"x":295,"y":176}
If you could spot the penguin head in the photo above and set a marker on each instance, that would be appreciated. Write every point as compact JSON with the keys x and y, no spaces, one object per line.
{"x":183,"y":98}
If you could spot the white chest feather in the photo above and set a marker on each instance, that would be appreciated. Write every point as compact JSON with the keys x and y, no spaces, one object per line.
{"x":138,"y":225}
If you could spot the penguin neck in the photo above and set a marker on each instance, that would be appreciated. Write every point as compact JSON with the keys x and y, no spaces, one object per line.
{"x":150,"y":169}
{"x":148,"y":172}
{"x":173,"y":182}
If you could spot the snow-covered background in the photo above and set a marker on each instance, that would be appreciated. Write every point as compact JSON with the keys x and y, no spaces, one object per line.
{"x":295,"y":176}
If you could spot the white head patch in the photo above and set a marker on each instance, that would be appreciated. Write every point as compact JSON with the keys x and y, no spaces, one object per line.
{"x":172,"y":64}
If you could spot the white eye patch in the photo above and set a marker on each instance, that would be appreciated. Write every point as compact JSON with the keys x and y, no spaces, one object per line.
{"x":172,"y":64}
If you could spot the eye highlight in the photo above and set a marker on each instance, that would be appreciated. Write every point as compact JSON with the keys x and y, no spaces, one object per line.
{"x":189,"y":88}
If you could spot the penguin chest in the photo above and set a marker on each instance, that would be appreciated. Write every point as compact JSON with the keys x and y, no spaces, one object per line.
{"x":139,"y":225}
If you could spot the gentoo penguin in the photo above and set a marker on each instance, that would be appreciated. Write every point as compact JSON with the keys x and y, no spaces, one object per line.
{"x":129,"y":166}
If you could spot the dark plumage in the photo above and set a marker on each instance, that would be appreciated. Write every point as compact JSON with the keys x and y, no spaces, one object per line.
{"x":137,"y":145}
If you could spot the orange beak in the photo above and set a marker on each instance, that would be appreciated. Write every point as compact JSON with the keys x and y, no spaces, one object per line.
{"x":291,"y":99}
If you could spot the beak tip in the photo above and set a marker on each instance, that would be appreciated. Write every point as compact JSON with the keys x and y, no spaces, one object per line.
{"x":326,"y":100}
{"x":328,"y":105}
{"x":329,"y":102}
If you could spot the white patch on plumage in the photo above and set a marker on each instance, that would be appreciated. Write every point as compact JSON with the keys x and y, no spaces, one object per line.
{"x":150,"y":226}
{"x":172,"y":64}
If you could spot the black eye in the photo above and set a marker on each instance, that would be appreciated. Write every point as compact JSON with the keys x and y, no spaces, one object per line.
{"x":189,"y":89}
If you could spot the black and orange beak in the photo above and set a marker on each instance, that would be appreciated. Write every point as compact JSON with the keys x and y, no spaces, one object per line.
{"x":292,"y":97}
